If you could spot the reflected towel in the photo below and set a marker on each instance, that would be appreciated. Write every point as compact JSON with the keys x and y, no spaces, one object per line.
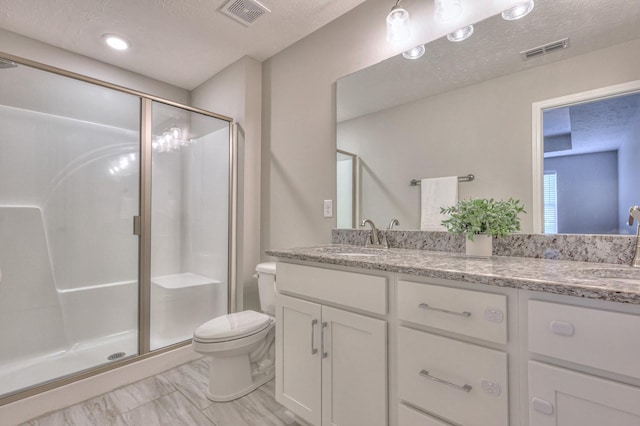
{"x":436,"y":193}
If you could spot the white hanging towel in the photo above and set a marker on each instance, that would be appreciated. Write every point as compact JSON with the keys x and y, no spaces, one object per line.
{"x":436,"y":193}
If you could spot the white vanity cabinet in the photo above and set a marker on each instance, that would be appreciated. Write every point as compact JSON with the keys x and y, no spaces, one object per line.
{"x":462,"y":382}
{"x":357,"y":347}
{"x":579,"y":338}
{"x":331,"y":363}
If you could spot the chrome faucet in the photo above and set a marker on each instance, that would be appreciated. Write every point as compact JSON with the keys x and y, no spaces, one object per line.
{"x":373,"y":240}
{"x":634,"y":213}
{"x":393,"y":222}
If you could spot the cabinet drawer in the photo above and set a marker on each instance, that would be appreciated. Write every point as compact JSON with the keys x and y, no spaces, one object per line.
{"x":412,"y":417}
{"x":361,"y":291}
{"x":596,"y":338}
{"x":471,"y":313}
{"x":560,"y":397}
{"x":450,"y":365}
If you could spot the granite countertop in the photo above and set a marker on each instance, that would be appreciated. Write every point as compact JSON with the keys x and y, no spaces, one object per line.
{"x":612,"y":282}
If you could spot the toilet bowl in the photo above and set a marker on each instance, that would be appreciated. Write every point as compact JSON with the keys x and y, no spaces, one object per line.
{"x":240,"y":346}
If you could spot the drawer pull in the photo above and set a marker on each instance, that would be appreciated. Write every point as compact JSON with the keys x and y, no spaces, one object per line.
{"x":462,"y":314}
{"x":464,"y":388}
{"x":562,"y":328}
{"x":314,"y":350}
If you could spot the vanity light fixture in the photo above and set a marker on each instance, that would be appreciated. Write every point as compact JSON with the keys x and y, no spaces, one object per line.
{"x":116,"y":42}
{"x":414,"y":53}
{"x":448,"y":10}
{"x":518,"y":11}
{"x":461,"y":34}
{"x":398,"y":23}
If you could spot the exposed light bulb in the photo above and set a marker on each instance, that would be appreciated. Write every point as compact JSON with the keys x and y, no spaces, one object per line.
{"x":176,"y":132}
{"x":448,"y":10}
{"x":461,"y":34}
{"x":414,"y":53}
{"x":398,"y":24}
{"x":518,"y":11}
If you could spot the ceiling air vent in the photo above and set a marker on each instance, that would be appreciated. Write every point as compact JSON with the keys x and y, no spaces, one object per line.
{"x":543,"y":50}
{"x":245,"y":12}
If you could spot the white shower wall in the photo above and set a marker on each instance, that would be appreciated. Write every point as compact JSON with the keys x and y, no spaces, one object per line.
{"x":66,"y":226}
{"x":206,"y":194}
{"x":190,"y":209}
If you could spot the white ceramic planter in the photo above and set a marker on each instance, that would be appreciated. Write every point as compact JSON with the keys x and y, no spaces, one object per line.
{"x":481,"y":246}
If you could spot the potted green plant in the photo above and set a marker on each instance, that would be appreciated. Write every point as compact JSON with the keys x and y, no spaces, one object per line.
{"x":482,"y":219}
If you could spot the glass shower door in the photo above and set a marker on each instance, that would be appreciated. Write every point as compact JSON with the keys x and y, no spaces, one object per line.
{"x":69,"y":188}
{"x":189,"y":222}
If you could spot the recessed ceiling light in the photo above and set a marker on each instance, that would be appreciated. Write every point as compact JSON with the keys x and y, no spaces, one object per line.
{"x":518,"y":11}
{"x":115,"y":41}
{"x":461,"y":34}
{"x":414,"y":53}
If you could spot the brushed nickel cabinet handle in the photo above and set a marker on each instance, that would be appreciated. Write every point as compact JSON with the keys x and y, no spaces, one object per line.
{"x":462,"y":314}
{"x":324,"y":325}
{"x":464,"y":388}
{"x":314,"y":350}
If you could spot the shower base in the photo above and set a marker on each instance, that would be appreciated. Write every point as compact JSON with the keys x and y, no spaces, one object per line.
{"x":37,"y":370}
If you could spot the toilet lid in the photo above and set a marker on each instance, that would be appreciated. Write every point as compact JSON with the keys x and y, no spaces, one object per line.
{"x":232,"y":326}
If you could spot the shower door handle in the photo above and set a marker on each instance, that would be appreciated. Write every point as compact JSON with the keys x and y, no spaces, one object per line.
{"x":136,"y":225}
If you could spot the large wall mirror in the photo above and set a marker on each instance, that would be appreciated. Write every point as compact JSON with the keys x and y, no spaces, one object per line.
{"x":466,"y":108}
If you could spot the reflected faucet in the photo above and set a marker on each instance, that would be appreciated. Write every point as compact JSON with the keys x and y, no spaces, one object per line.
{"x":634,"y":213}
{"x":373,"y":240}
{"x":393,"y":222}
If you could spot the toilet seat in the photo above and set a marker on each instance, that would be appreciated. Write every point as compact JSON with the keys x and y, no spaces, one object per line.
{"x":232,"y":326}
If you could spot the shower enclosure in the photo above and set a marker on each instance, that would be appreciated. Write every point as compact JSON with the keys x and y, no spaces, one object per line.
{"x":115,"y":218}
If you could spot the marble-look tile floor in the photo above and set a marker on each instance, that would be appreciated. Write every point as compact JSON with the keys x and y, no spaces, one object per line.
{"x":173,"y":398}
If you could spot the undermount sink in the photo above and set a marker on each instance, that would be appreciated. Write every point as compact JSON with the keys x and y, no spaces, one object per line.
{"x":355,"y":251}
{"x":355,"y":254}
{"x":626,"y":275}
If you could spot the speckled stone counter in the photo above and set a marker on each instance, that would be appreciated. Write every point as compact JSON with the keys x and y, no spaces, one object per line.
{"x":612,"y":282}
{"x":586,"y":248}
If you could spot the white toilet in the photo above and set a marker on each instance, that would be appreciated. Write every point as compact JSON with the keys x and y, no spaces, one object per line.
{"x":241,"y":345}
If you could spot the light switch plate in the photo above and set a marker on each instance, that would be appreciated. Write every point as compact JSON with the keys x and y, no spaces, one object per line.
{"x":328,"y":208}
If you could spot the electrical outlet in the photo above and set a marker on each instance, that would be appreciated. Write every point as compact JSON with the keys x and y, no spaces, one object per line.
{"x":328,"y":208}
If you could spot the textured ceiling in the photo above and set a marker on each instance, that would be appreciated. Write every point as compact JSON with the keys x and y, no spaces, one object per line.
{"x":182,"y":42}
{"x":603,"y":125}
{"x":492,"y":51}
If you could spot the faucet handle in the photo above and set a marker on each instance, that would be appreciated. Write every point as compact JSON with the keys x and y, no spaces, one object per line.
{"x":634,"y":213}
{"x":393,"y":222}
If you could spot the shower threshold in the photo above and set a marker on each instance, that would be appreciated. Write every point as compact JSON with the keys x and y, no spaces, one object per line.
{"x":44,"y":368}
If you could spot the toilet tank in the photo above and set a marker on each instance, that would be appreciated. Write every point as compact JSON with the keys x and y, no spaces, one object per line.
{"x":266,"y":287}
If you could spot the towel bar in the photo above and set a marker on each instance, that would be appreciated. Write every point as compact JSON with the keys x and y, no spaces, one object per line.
{"x":467,"y":178}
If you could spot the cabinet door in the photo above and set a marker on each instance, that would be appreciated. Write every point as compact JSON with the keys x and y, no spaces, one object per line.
{"x":298,"y":362}
{"x":354,"y":370}
{"x":560,"y":397}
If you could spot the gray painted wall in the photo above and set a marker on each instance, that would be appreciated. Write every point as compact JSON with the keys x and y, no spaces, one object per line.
{"x":587,"y":192}
{"x":236,"y":92}
{"x":299,"y":115}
